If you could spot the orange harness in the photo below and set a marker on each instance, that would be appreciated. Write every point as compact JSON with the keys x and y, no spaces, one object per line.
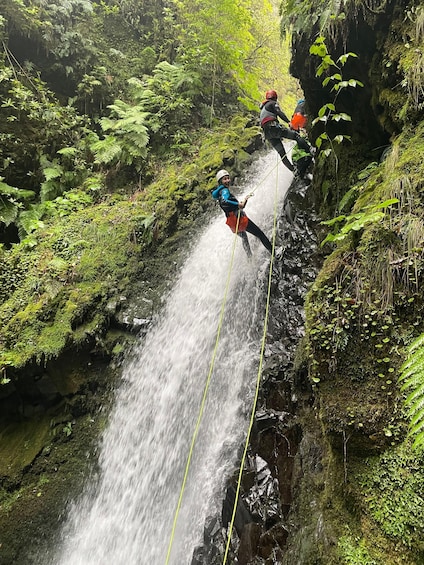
{"x":232,"y":222}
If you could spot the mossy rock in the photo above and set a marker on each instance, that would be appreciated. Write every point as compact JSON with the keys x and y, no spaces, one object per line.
{"x":20,"y":443}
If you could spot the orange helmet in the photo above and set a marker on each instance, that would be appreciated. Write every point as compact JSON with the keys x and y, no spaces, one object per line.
{"x":271,"y":95}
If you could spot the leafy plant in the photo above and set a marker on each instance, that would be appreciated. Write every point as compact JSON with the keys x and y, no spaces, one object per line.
{"x":220,"y":47}
{"x":67,"y":429}
{"x":302,"y":17}
{"x":168,"y":97}
{"x":127,"y":143}
{"x":356,"y":222}
{"x":11,"y":201}
{"x":391,"y":493}
{"x":327,"y":113}
{"x":412,"y":377}
{"x":354,"y":551}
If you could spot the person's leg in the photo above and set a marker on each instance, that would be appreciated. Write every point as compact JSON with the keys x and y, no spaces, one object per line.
{"x":295,"y":136}
{"x":279,"y":147}
{"x":246,"y":243}
{"x":257,"y":232}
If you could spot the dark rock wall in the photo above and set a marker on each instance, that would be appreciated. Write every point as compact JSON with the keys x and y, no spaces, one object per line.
{"x":326,"y":500}
{"x":371,"y":30}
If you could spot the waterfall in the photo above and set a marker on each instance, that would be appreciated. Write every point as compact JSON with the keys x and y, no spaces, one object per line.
{"x":125,"y":517}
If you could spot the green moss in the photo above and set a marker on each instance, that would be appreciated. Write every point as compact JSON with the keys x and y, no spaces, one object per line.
{"x":370,"y":280}
{"x":20,"y":443}
{"x":364,"y":307}
{"x":353,"y":550}
{"x":55,"y":293}
{"x":392,"y":487}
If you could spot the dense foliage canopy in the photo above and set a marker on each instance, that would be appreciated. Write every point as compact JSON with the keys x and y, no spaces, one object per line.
{"x":90,"y":87}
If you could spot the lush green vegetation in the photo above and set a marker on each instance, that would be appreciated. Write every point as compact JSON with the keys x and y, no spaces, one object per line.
{"x":364,"y":311}
{"x":95,"y":98}
{"x":77,"y":102}
{"x":88,"y":247}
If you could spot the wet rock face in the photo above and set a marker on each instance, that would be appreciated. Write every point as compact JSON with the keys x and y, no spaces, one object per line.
{"x":261,"y":528}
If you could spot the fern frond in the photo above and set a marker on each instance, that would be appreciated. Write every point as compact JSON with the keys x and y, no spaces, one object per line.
{"x":52,"y":172}
{"x":415,"y":360}
{"x":29,"y":220}
{"x":418,"y":427}
{"x":106,"y":150}
{"x":412,"y":381}
{"x":416,"y":411}
{"x":8,"y":211}
{"x":50,"y":190}
{"x":17,"y":193}
{"x":415,"y":367}
{"x":417,"y":343}
{"x":418,"y":441}
{"x":416,"y":393}
{"x":412,"y":378}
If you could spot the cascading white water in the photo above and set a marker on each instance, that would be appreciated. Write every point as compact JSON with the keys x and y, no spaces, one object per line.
{"x":126,"y":517}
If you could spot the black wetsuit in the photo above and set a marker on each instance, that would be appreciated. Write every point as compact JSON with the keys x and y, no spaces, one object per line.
{"x":230,"y":205}
{"x":274,"y":131}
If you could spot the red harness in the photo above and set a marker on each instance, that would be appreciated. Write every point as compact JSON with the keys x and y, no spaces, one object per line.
{"x":232,"y":222}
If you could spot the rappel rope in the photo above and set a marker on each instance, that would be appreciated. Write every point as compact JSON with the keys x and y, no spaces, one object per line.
{"x":202,"y":405}
{"x":251,"y":193}
{"x":211,"y":367}
{"x":258,"y":382}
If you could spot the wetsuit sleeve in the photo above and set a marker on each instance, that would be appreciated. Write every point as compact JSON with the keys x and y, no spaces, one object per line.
{"x":228,"y":198}
{"x":228,"y":201}
{"x":280,"y":113}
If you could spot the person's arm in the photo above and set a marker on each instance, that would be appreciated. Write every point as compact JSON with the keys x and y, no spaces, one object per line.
{"x":228,"y":198}
{"x":280,"y":113}
{"x":228,"y":201}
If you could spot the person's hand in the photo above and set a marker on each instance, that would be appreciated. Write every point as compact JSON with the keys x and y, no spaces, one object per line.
{"x":242,"y":204}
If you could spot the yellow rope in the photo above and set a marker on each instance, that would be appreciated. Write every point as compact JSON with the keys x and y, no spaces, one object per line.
{"x":269,"y":172}
{"x":258,"y":382}
{"x":202,"y":405}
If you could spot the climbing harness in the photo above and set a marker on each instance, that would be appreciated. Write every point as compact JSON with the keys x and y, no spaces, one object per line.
{"x":237,"y":228}
{"x":237,"y":222}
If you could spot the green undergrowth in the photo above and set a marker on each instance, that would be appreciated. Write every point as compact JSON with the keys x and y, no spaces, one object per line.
{"x":367,"y":296}
{"x":55,"y":284}
{"x":388,"y":488}
{"x":363,"y":310}
{"x":76,"y":264}
{"x":368,"y":510}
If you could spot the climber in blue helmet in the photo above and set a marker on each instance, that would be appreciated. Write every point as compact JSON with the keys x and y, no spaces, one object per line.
{"x":299,"y":118}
